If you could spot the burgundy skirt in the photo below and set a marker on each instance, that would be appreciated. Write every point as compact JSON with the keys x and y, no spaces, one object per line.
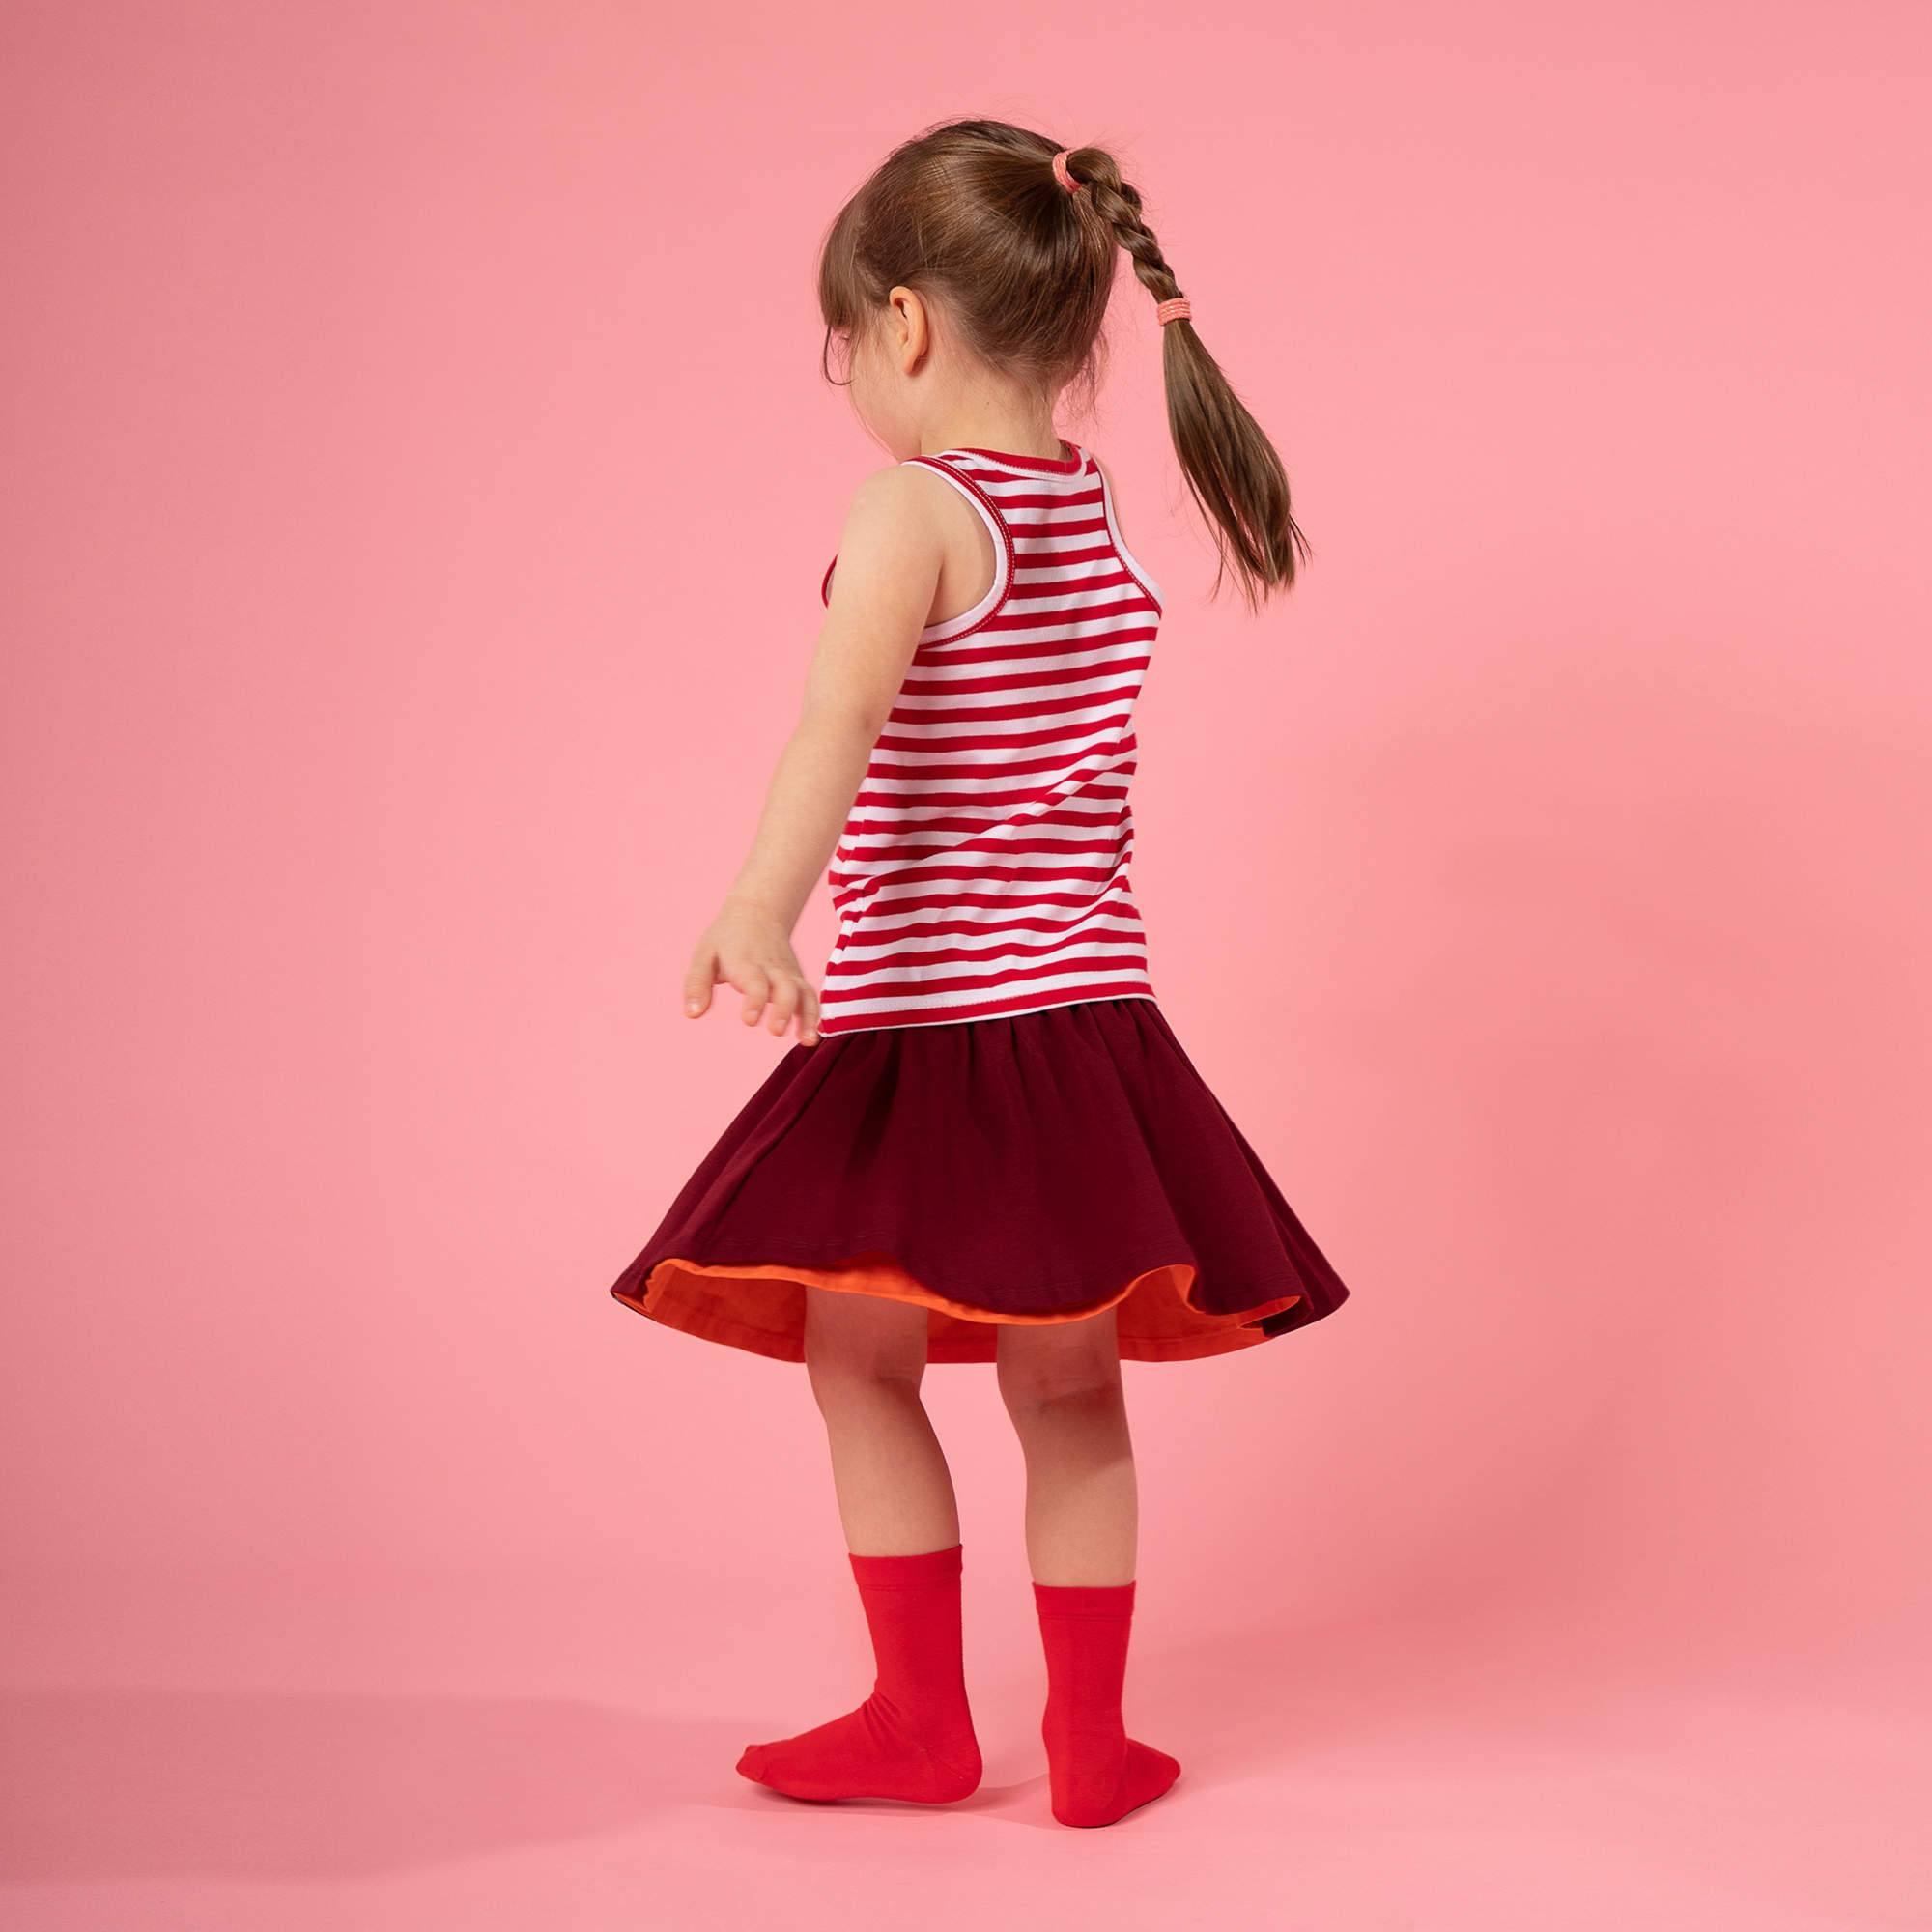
{"x":1033,"y":1169}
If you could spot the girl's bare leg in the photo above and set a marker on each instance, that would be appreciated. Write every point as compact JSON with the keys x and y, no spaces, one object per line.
{"x":1061,"y":1382}
{"x":866,"y":1357}
{"x":913,"y":1738}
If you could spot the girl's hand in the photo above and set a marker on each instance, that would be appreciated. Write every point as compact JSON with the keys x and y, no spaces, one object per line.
{"x":747,"y":946}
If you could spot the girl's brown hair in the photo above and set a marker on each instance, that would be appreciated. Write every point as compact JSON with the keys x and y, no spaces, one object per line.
{"x":972,"y":215}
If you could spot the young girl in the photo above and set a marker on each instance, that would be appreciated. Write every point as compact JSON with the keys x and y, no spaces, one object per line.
{"x":987,"y":1145}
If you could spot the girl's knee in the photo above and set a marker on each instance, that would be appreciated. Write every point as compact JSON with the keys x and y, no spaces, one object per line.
{"x":855,"y":1341}
{"x":1059,"y":1364}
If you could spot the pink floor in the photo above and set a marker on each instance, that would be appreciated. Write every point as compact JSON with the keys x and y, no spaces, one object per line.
{"x":496,"y":1754}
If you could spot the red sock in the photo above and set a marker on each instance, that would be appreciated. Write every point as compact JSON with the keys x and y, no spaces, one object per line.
{"x":1097,"y":1773}
{"x":913,"y":1737}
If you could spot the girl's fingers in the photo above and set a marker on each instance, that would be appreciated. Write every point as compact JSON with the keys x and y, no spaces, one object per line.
{"x":785,"y":1002}
{"x":757,"y":989}
{"x":780,"y":998}
{"x":699,"y":977}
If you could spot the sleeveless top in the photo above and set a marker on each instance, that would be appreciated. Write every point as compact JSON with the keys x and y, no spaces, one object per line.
{"x":983,"y":871}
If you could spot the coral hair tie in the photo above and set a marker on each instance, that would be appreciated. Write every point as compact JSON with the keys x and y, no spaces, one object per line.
{"x":1060,"y":175}
{"x":1176,"y":308}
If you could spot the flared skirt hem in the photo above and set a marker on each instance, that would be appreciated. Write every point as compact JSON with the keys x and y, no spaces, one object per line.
{"x":676,"y":1293}
{"x":1024,"y":1170}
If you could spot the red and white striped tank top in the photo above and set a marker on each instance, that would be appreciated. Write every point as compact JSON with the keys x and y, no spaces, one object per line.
{"x":983,"y":868}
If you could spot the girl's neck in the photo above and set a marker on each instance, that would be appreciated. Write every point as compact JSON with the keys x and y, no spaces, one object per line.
{"x":1012,"y":431}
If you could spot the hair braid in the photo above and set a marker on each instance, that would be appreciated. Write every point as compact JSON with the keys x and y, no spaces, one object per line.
{"x":1117,"y":203}
{"x":1232,"y":468}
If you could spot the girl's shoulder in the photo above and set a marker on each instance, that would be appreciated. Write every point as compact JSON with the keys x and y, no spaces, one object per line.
{"x":900,"y":519}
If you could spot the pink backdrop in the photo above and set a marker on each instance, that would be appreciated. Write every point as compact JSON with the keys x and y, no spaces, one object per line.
{"x":420,"y":483}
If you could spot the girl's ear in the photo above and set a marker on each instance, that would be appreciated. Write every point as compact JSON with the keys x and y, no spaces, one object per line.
{"x":908,"y":328}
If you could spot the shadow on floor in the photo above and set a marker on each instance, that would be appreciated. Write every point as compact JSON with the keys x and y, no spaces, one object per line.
{"x":131,"y":1783}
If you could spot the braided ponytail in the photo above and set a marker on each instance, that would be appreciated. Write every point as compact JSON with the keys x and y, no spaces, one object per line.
{"x":1232,"y":468}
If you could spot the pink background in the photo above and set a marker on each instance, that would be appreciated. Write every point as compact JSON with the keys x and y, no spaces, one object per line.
{"x":420,"y":484}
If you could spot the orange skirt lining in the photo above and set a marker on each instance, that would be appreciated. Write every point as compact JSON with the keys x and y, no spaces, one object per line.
{"x":879,"y":1274}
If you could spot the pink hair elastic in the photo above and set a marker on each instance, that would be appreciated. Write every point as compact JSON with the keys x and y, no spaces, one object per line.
{"x":1176,"y":308}
{"x":1060,"y":175}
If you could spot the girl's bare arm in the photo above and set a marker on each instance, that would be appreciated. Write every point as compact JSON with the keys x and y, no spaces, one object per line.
{"x":890,"y":553}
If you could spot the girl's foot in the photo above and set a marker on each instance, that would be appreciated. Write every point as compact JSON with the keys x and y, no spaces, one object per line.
{"x":1095,"y":1781}
{"x":913,"y":1738}
{"x":1096,"y":1772}
{"x":871,"y":1752}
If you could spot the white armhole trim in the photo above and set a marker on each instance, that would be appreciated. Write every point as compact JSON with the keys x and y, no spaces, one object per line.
{"x":968,"y":620}
{"x":1133,"y":564}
